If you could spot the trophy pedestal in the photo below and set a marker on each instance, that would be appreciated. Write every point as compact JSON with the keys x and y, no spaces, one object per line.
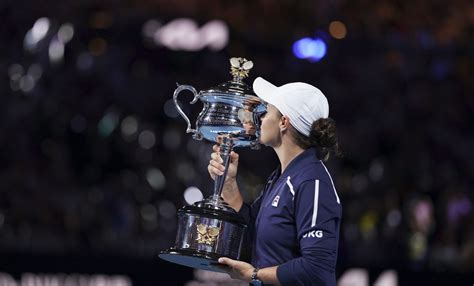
{"x":193,"y":258}
{"x":205,"y":233}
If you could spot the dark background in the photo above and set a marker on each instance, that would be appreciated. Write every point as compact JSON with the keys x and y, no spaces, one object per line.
{"x":95,"y":161}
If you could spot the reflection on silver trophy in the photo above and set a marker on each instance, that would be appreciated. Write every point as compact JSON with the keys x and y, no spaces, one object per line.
{"x":210,"y":229}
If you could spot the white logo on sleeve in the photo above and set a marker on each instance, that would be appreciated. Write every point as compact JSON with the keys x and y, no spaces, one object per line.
{"x":314,"y":233}
{"x":275,"y":201}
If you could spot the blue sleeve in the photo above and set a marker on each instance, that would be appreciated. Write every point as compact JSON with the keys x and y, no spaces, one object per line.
{"x":249,"y":213}
{"x":317,"y":214}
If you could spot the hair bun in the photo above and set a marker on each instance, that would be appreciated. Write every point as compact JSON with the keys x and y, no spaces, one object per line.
{"x":323,"y":133}
{"x":322,"y":136}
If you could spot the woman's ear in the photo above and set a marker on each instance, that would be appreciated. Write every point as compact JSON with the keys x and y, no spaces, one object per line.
{"x":284,"y":123}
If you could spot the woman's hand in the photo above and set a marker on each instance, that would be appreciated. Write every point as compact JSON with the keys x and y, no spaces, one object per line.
{"x":230,"y":191}
{"x":237,"y":269}
{"x":216,"y":167}
{"x":243,"y":271}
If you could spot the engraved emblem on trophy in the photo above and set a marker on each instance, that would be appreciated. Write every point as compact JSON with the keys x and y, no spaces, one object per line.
{"x":207,"y":235}
{"x":210,"y":228}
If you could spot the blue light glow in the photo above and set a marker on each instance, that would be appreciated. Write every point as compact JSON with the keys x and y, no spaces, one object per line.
{"x":310,"y":49}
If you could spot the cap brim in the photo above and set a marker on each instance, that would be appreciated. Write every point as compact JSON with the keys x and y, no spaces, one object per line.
{"x":265,"y":90}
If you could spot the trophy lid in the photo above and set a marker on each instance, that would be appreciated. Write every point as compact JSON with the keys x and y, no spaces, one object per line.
{"x":240,"y":68}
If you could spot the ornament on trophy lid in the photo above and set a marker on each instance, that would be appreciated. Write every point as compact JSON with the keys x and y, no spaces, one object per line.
{"x":240,"y":68}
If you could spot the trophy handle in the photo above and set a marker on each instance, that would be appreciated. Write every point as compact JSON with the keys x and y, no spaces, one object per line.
{"x":196,"y":134}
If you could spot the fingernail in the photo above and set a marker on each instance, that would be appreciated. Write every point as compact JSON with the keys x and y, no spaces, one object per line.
{"x":220,"y":260}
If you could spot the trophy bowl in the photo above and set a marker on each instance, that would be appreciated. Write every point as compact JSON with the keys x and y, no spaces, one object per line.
{"x":210,"y":229}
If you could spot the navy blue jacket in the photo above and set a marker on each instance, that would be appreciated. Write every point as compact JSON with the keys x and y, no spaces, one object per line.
{"x":295,"y":222}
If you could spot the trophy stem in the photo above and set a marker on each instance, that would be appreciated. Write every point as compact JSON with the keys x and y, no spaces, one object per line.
{"x":225,"y":150}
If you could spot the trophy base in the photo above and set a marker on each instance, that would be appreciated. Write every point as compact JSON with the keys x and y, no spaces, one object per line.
{"x":194,"y":259}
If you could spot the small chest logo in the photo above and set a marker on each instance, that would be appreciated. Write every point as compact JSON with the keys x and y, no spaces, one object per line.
{"x":275,"y":201}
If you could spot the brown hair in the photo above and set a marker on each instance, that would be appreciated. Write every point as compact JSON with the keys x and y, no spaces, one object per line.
{"x":322,"y":136}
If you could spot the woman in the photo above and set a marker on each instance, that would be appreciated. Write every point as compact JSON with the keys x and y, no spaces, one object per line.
{"x":294,"y":223}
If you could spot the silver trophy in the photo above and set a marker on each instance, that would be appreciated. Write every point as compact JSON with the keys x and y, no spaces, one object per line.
{"x":210,"y":229}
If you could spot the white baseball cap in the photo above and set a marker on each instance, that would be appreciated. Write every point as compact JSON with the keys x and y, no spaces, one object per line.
{"x":302,"y":103}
